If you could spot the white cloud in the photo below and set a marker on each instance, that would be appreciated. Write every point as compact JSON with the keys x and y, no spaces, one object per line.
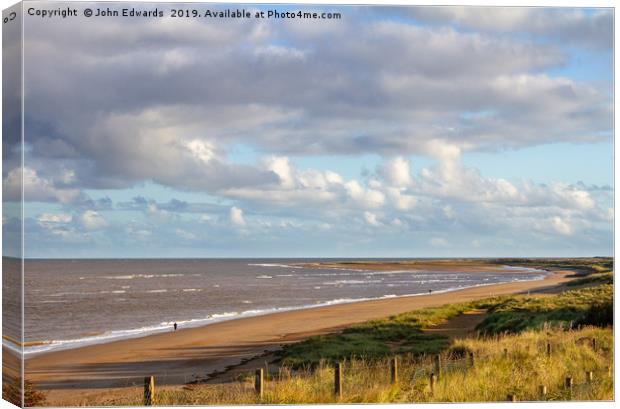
{"x":366,"y":198}
{"x":50,"y":220}
{"x":236,"y":216}
{"x":372,"y":219}
{"x":206,"y":218}
{"x":561,"y":226}
{"x":201,"y":150}
{"x":400,"y":200}
{"x":453,"y":86}
{"x":35,"y":188}
{"x":397,"y":172}
{"x":54,"y":218}
{"x":153,"y":211}
{"x":92,"y":220}
{"x":569,"y":25}
{"x":281,"y":167}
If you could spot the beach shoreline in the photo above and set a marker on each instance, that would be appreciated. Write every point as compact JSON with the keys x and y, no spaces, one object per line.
{"x":37,"y":348}
{"x":190,"y":355}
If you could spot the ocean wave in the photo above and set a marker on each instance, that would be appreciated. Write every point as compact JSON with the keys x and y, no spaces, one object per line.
{"x":273,"y":265}
{"x":46,"y":346}
{"x":340,"y":282}
{"x":132,"y":276}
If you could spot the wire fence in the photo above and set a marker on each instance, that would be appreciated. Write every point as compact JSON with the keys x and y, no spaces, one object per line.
{"x":426,"y":370}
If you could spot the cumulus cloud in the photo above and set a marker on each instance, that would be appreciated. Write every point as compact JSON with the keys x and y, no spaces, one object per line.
{"x":371,"y":219}
{"x":169,"y":104}
{"x":482,"y":90}
{"x":561,"y":226}
{"x":91,"y":220}
{"x":236,"y":217}
{"x":397,"y":172}
{"x":35,"y":188}
{"x":49,"y":219}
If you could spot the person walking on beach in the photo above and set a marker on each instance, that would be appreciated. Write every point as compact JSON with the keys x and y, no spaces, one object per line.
{"x":175,"y":326}
{"x":429,"y":291}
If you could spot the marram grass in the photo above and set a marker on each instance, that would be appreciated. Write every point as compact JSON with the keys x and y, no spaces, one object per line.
{"x":494,"y":375}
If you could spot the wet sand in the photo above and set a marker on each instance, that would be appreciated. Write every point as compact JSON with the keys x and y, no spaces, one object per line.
{"x":192,"y":354}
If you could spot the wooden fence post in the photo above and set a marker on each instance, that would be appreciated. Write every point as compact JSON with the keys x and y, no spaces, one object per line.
{"x":542,"y":391}
{"x":394,"y":370}
{"x":589,"y":376}
{"x":511,"y":398}
{"x":258,"y":383}
{"x":149,"y":391}
{"x":594,"y":344}
{"x":432,"y":380}
{"x":548,"y":349}
{"x":438,"y":365}
{"x":338,"y":380}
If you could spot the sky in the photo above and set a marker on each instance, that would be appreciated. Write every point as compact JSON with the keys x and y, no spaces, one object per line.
{"x":392,"y":132}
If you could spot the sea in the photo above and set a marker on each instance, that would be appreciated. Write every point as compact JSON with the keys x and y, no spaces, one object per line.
{"x":72,"y":303}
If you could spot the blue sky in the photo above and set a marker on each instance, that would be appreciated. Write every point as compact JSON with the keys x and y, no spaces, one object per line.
{"x":394,"y":132}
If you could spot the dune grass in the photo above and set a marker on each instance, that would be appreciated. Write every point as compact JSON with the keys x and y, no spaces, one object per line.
{"x":493,"y":376}
{"x":510,"y":357}
{"x":597,"y":278}
{"x":593,"y":305}
{"x":583,"y":265}
{"x":398,"y":334}
{"x":403,"y":334}
{"x":526,"y":366}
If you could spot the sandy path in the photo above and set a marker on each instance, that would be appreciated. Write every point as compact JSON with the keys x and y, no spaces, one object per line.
{"x":460,"y":326}
{"x":190,"y":354}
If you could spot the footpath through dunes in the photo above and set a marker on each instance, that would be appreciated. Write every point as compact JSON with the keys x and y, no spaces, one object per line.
{"x":460,"y":326}
{"x":191,"y":354}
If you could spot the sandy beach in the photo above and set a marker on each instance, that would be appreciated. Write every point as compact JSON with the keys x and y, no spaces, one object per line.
{"x":176,"y":358}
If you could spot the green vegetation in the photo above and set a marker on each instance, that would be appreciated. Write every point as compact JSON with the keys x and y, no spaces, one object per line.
{"x":493,"y":376}
{"x":399,"y":334}
{"x":598,"y":278}
{"x":403,"y":334}
{"x":570,"y":308}
{"x":583,"y":266}
{"x":526,"y":366}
